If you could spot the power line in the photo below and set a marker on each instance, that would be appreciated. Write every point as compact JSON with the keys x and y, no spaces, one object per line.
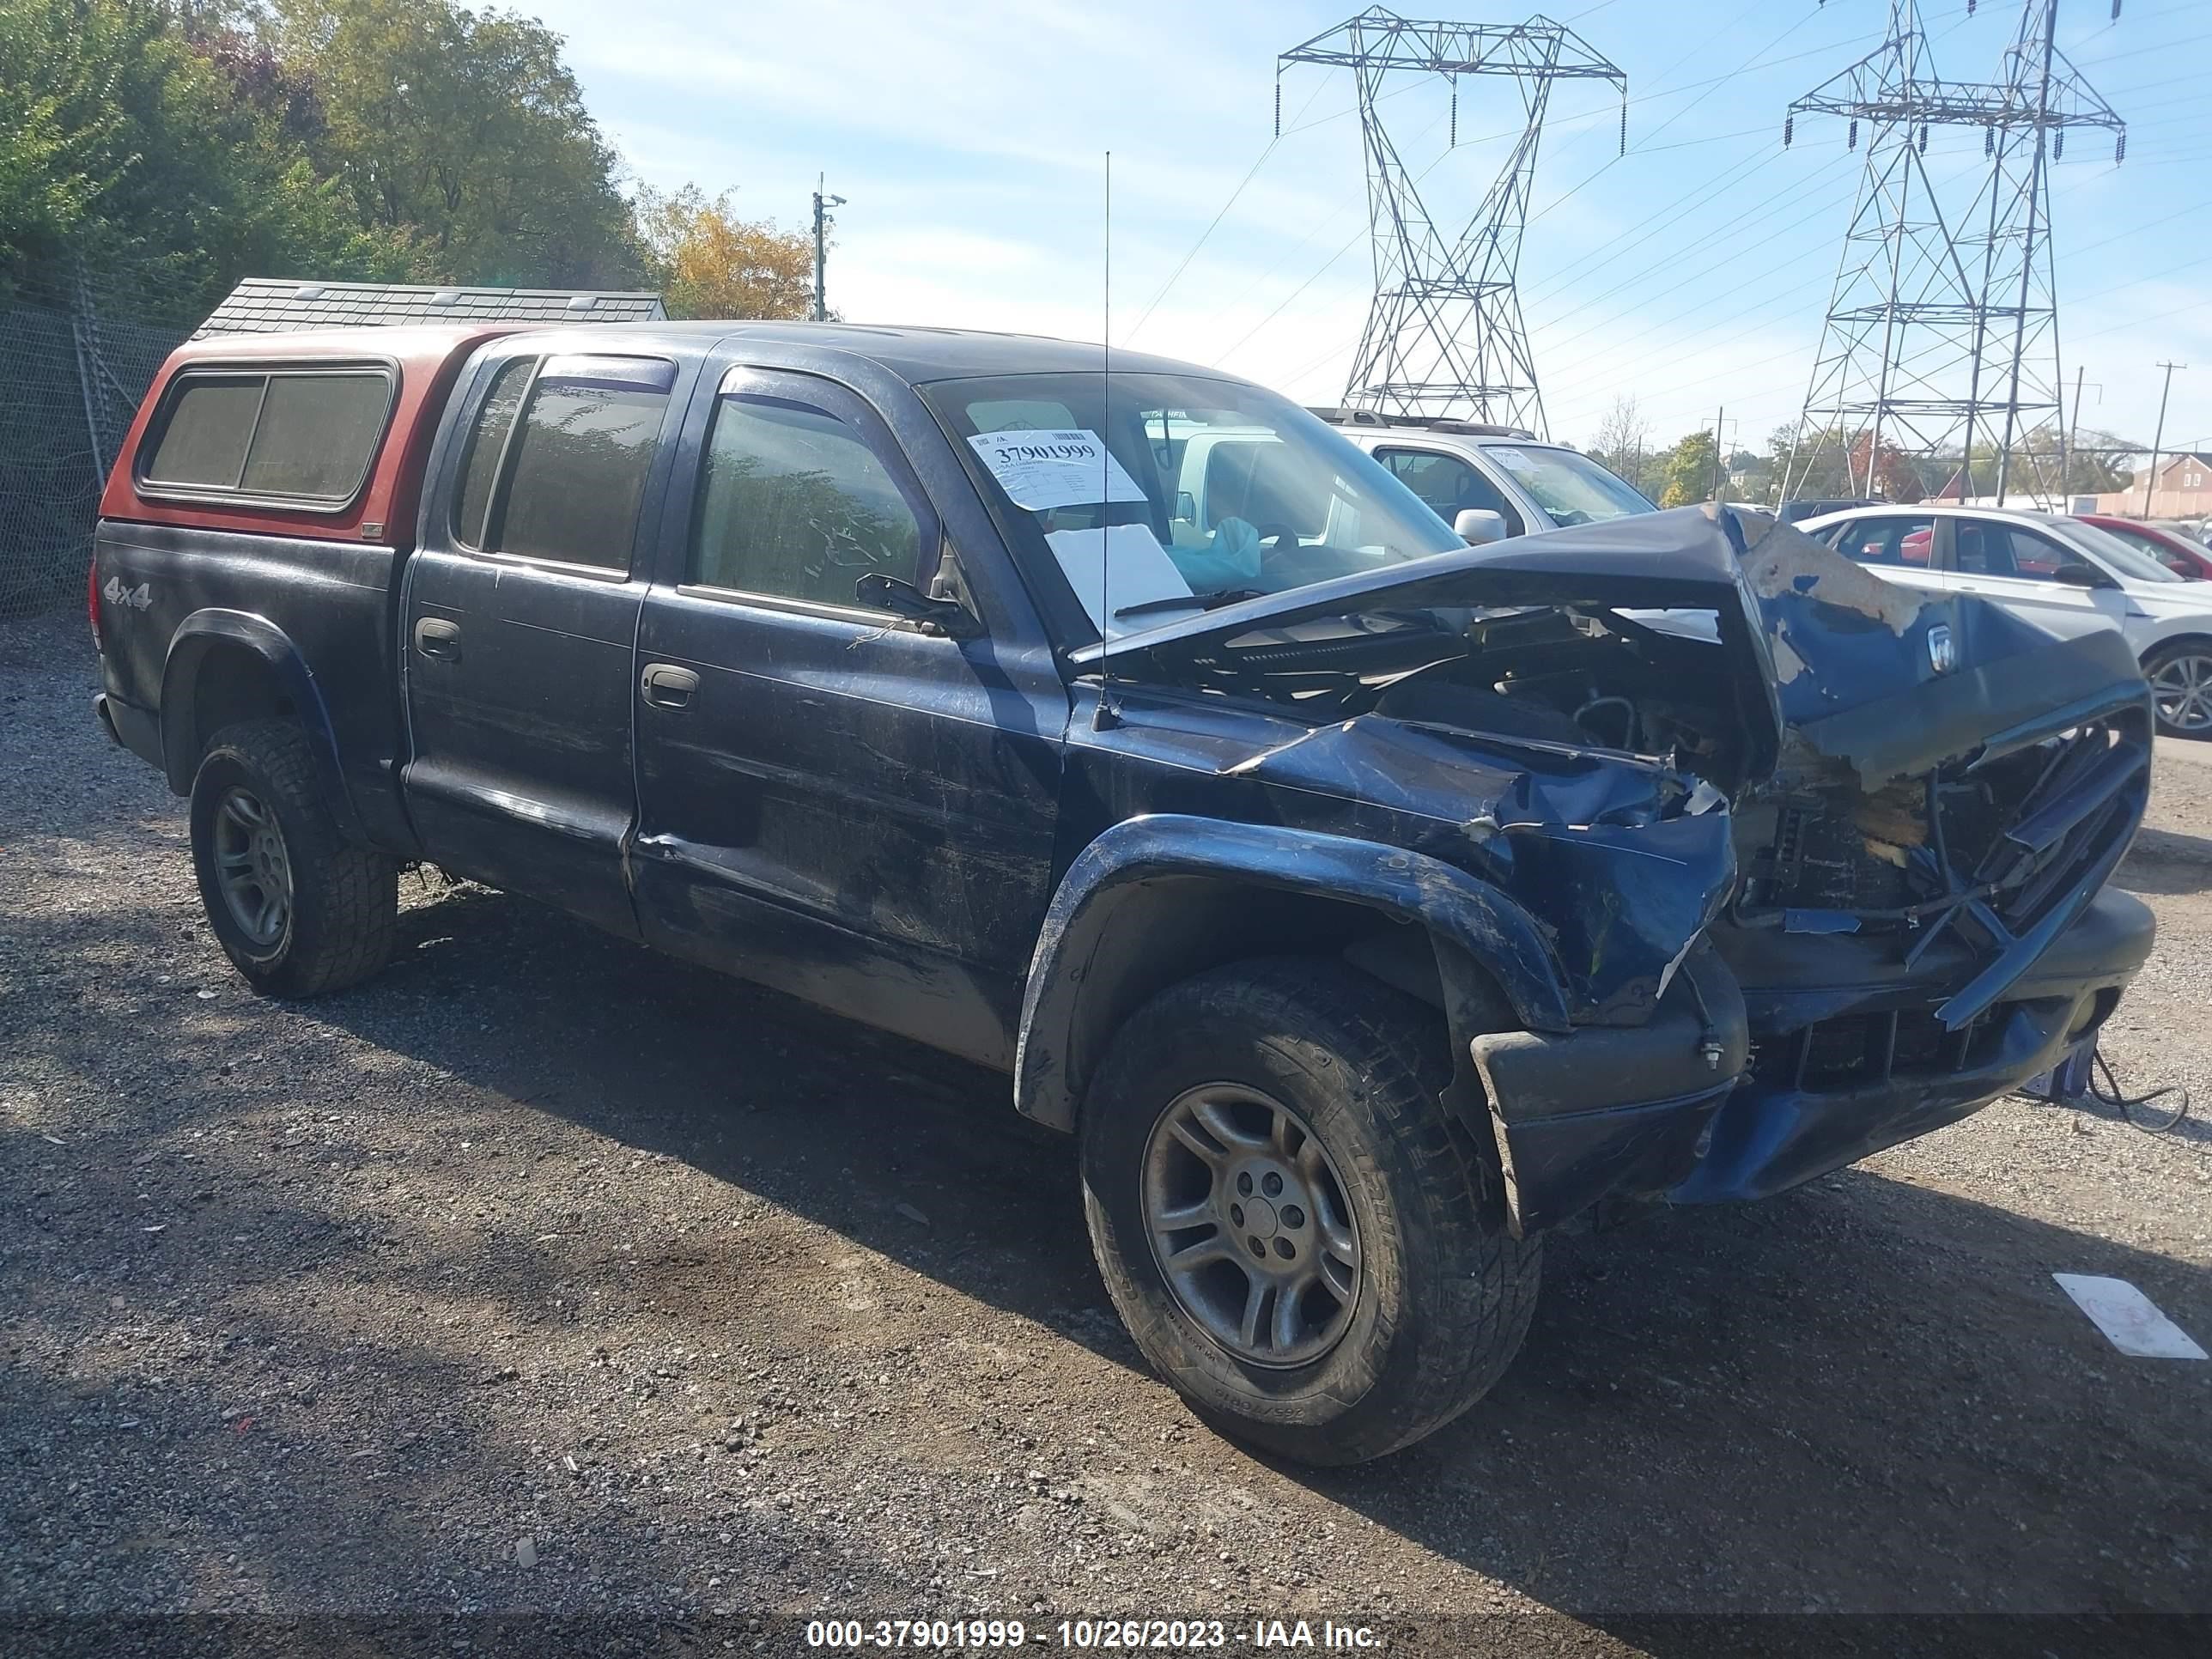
{"x":1250,"y":173}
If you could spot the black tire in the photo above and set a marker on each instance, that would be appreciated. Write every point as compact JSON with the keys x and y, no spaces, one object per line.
{"x":1443,"y":1292}
{"x":2180,"y":676}
{"x":342,"y":909}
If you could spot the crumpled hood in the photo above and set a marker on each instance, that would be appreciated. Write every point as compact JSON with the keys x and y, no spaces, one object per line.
{"x":1852,"y":665}
{"x":1895,"y":680}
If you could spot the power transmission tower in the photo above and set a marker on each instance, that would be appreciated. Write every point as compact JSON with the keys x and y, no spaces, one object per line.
{"x":1942,"y":331}
{"x":1444,"y":335}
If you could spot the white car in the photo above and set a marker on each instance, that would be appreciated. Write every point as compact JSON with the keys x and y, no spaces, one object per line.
{"x":1512,"y":483}
{"x":2058,"y":571}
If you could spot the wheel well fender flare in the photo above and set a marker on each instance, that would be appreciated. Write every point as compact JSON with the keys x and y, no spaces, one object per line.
{"x":1139,"y":873}
{"x":209,"y":634}
{"x":2167,"y":644}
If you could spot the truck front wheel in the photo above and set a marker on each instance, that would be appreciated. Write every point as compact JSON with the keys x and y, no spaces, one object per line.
{"x":1293,"y":1227}
{"x":297,"y":907}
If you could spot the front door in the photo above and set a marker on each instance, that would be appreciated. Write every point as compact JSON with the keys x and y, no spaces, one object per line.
{"x":833,"y":801}
{"x":2018,"y":568}
{"x":1450,"y":484}
{"x":519,"y":618}
{"x":1901,"y":546}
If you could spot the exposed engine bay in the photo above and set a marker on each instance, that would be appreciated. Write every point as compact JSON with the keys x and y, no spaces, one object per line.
{"x":1591,"y":677}
{"x":1985,"y":840}
{"x":1887,"y":763}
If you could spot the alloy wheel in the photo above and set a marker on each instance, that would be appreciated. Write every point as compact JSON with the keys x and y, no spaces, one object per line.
{"x":1248,"y":1222}
{"x":252,"y":870}
{"x":2182,"y":688}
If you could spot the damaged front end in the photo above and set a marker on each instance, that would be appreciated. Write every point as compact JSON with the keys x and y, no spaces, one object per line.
{"x":1818,"y":861}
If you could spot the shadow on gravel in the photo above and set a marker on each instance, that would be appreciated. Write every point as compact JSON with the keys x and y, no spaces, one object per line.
{"x":1866,"y":1394}
{"x":2166,"y":861}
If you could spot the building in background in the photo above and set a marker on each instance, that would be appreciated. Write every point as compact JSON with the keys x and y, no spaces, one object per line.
{"x":2182,"y":488}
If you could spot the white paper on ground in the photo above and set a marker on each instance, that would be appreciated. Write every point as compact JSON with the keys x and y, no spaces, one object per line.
{"x":1044,"y":470}
{"x":2127,"y":1316}
{"x":1135,"y":567}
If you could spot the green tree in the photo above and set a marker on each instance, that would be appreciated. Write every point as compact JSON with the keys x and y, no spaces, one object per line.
{"x":465,"y":134}
{"x":124,"y":148}
{"x":1687,"y":472}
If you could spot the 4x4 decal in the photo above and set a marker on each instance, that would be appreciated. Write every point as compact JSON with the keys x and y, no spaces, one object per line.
{"x":137,"y":598}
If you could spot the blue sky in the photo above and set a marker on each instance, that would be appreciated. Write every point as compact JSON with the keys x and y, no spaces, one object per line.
{"x":1692,"y":272}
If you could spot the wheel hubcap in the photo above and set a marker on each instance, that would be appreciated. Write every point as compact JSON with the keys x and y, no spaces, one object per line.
{"x":2183,"y":690}
{"x":1249,"y":1223}
{"x":252,"y":870}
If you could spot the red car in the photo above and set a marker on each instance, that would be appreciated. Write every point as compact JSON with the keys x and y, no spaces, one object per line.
{"x":2175,"y":549}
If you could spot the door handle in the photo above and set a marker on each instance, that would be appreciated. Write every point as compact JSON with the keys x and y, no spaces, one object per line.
{"x":436,"y":637}
{"x":666,"y":686}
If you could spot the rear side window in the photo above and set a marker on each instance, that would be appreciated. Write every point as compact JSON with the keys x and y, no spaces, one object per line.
{"x":563,"y":481}
{"x":304,"y":437}
{"x":1898,"y":541}
{"x":204,"y":445}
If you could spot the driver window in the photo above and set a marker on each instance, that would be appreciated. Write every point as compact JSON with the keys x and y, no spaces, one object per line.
{"x":2035,"y":559}
{"x":794,"y":503}
{"x":1447,"y":484}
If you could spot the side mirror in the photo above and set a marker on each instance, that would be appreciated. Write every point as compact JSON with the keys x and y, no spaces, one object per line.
{"x":1478,"y":526}
{"x":948,"y":617}
{"x":2076,"y":573}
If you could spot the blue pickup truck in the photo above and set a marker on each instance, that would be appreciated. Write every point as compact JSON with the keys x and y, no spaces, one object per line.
{"x":1367,"y":904}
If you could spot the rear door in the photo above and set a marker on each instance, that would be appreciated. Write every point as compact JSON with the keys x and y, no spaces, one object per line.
{"x":2020,"y":568}
{"x":518,"y":622}
{"x":832,"y":800}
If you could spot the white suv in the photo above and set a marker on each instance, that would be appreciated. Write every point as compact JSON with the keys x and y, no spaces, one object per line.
{"x":2057,"y":571}
{"x":1492,"y":482}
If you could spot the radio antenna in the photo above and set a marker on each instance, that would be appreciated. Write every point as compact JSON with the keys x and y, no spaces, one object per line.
{"x":1104,"y":717}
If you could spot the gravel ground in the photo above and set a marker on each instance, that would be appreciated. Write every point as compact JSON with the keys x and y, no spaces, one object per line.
{"x":545,"y":1274}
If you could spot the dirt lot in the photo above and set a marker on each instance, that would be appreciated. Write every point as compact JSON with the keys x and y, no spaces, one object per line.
{"x":725,"y":1306}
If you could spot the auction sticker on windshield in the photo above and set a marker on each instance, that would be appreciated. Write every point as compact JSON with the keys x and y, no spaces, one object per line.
{"x":1042,"y":471}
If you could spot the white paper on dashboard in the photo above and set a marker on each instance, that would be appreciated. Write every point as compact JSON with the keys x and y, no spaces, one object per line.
{"x":1042,"y":471}
{"x":1135,"y":568}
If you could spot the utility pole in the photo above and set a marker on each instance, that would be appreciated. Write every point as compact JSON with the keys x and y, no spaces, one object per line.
{"x":2150,"y":473}
{"x":821,"y":205}
{"x":1720,"y":465}
{"x":2066,"y":436}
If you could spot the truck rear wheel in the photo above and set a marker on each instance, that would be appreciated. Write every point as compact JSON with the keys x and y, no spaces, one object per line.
{"x":298,"y":908}
{"x":1294,"y":1230}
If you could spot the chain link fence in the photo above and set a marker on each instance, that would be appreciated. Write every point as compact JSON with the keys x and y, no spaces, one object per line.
{"x":75,"y":357}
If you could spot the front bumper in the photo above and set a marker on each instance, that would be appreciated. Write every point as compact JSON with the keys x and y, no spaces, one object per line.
{"x":1824,"y":1052}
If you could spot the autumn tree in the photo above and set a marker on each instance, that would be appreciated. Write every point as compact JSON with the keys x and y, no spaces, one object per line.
{"x":1895,"y":479}
{"x":710,"y":263}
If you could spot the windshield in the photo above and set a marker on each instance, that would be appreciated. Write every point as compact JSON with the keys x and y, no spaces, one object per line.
{"x":1186,"y":493}
{"x":1569,"y":486}
{"x":2122,"y":558}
